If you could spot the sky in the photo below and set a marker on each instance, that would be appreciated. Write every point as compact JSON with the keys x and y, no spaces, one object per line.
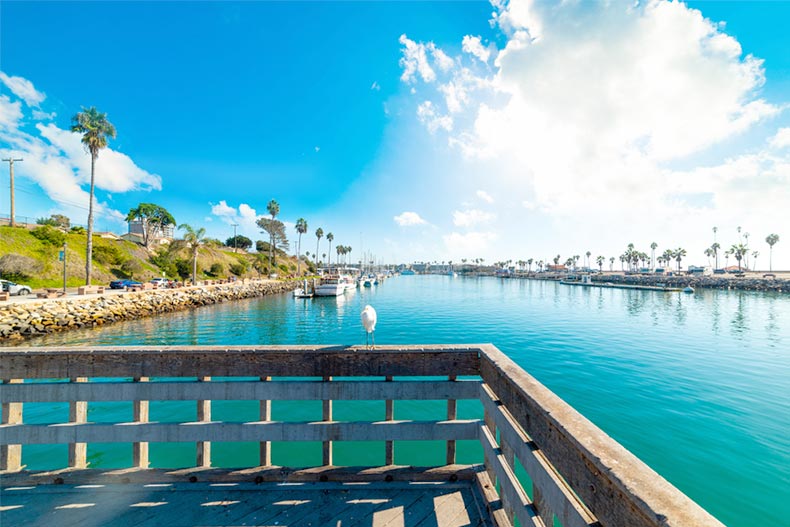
{"x":413,"y":131}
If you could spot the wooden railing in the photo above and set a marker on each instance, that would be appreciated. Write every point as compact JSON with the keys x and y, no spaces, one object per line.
{"x":577,"y":474}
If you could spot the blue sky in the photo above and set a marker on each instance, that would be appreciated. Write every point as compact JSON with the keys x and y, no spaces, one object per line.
{"x":413,"y":130}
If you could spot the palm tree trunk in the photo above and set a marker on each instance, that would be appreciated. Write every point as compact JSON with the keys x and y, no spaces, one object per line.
{"x":194,"y":266}
{"x":299,"y":255}
{"x":89,"y":245}
{"x":317,"y":262}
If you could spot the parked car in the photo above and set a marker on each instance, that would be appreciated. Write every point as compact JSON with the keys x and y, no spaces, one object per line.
{"x":161,"y":282}
{"x":12,"y":288}
{"x":123,"y":284}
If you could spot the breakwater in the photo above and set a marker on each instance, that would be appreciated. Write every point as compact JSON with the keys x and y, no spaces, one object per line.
{"x":777,"y":285}
{"x":19,"y":320}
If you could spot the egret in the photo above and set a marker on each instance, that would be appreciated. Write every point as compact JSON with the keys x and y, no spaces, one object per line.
{"x":368,"y":317}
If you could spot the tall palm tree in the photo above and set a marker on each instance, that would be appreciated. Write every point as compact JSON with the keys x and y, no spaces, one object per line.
{"x":715,"y":230}
{"x":95,"y":129}
{"x":678,"y":254}
{"x":301,"y":228}
{"x":653,"y":255}
{"x":738,"y":250}
{"x":274,"y":209}
{"x":600,"y":260}
{"x":771,"y":239}
{"x":330,"y":238}
{"x":319,"y":233}
{"x":611,"y":262}
{"x":715,"y":250}
{"x":193,"y":239}
{"x":588,"y":254}
{"x":755,"y":254}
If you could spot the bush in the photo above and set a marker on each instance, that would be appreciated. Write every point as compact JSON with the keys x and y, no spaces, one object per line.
{"x":108,"y":255}
{"x":131,"y":267}
{"x":16,"y":267}
{"x":215,"y":270}
{"x":77,"y":229}
{"x":49,"y":234}
{"x":238,"y":269}
{"x":184,"y":268}
{"x":262,"y":246}
{"x":164,"y":261}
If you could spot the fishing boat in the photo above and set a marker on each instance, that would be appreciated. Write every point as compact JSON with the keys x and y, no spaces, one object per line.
{"x":331,"y":285}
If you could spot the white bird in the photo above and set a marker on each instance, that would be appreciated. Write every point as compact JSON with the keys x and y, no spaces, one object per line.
{"x":368,"y":317}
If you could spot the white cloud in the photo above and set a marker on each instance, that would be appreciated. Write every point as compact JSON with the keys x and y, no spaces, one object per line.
{"x":10,"y":113}
{"x":415,"y":60}
{"x":426,"y":113}
{"x":471,"y":217}
{"x":474,"y":47}
{"x":244,"y":216}
{"x":584,"y":116}
{"x":470,"y":244}
{"x":485,"y":196}
{"x":375,"y":86}
{"x":23,"y":89}
{"x":781,"y":139}
{"x":409,"y":219}
{"x":317,"y":148}
{"x":222,"y":209}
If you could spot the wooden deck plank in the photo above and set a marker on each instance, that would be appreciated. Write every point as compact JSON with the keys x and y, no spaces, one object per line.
{"x":206,"y":504}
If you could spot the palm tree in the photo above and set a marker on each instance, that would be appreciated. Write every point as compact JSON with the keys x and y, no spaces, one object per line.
{"x":611,"y":263}
{"x":193,"y":239}
{"x":715,"y":250}
{"x":771,"y":239}
{"x":738,"y":250}
{"x":274,"y":209}
{"x":678,"y":254}
{"x":727,"y":254}
{"x":708,"y":253}
{"x":330,"y":237}
{"x":319,"y":233}
{"x":600,"y":261}
{"x":529,"y":264}
{"x":588,"y":254}
{"x":301,"y":228}
{"x":95,"y":129}
{"x":653,"y":255}
{"x":755,"y":254}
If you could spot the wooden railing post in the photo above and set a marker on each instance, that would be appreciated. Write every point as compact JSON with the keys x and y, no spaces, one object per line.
{"x":78,"y":413}
{"x":327,"y":416}
{"x":389,"y":411}
{"x":265,"y":449}
{"x":452,"y":414}
{"x":507,"y":453}
{"x":204,"y":416}
{"x":488,"y":419}
{"x":140,"y":450}
{"x":11,"y":455}
{"x":541,"y":507}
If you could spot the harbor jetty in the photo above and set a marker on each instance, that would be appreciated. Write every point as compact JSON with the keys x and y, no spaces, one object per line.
{"x":579,"y":476}
{"x":25,"y":319}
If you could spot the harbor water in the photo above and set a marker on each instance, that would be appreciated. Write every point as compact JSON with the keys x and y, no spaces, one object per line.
{"x":697,"y":386}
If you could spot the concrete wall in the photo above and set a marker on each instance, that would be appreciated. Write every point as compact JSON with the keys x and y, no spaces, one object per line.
{"x":19,"y":320}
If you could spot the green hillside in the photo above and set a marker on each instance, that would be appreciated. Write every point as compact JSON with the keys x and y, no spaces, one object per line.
{"x":31,"y":256}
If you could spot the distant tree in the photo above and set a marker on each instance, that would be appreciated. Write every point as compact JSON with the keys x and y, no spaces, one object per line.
{"x":153,"y":219}
{"x":771,"y":240}
{"x":588,"y":254}
{"x":239,"y":241}
{"x":330,"y":238}
{"x":611,"y":263}
{"x":557,"y":260}
{"x":319,"y":233}
{"x":653,"y":247}
{"x":56,"y":220}
{"x":738,"y":251}
{"x":301,"y":228}
{"x":131,"y":267}
{"x":715,"y":250}
{"x":755,"y":254}
{"x":678,"y":254}
{"x":261,"y":246}
{"x":193,"y":239}
{"x":274,"y":209}
{"x":600,"y":260}
{"x":95,"y":129}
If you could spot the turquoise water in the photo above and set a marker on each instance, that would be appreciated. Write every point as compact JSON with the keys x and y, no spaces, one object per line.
{"x":697,"y":386}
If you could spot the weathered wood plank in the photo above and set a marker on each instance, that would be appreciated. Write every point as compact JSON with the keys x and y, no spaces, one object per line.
{"x":239,"y":432}
{"x":372,"y":476}
{"x":389,"y":415}
{"x":326,"y":409}
{"x":614,"y":484}
{"x":240,"y":391}
{"x":491,"y":501}
{"x":555,"y":494}
{"x":11,"y":455}
{"x":140,"y":410}
{"x":265,"y":414}
{"x":203,"y":448}
{"x":514,"y":499}
{"x":78,"y":413}
{"x":452,"y":414}
{"x":230,"y":361}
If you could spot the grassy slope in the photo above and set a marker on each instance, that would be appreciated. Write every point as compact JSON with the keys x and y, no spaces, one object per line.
{"x":20,"y":241}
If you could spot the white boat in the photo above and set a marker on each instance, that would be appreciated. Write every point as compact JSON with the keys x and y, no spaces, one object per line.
{"x":688,"y":290}
{"x":334,"y":285}
{"x":301,"y":293}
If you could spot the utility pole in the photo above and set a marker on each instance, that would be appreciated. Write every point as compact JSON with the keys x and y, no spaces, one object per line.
{"x":234,"y":236}
{"x":63,"y":255}
{"x":10,"y":162}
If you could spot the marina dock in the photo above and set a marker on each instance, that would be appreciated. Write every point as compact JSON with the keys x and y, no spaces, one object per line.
{"x":541,"y":460}
{"x":609,"y":285}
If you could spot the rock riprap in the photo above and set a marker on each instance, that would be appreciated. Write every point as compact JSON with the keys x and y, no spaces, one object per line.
{"x":19,"y":320}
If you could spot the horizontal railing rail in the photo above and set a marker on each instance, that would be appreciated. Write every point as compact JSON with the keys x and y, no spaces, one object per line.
{"x":577,"y":474}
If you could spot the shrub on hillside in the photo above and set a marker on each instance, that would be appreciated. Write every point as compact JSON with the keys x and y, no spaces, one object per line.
{"x":131,"y":267}
{"x":108,"y":254}
{"x":49,"y":234}
{"x":163,"y":259}
{"x":78,"y":229}
{"x":238,"y":269}
{"x":184,"y":268}
{"x":215,"y":270}
{"x":17,"y":267}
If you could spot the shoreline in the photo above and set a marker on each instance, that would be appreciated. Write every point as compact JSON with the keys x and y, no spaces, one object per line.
{"x":750,"y":282}
{"x":20,"y":320}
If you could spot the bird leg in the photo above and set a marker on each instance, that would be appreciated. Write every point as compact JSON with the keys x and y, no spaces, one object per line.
{"x":373,"y":336}
{"x":367,"y":337}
